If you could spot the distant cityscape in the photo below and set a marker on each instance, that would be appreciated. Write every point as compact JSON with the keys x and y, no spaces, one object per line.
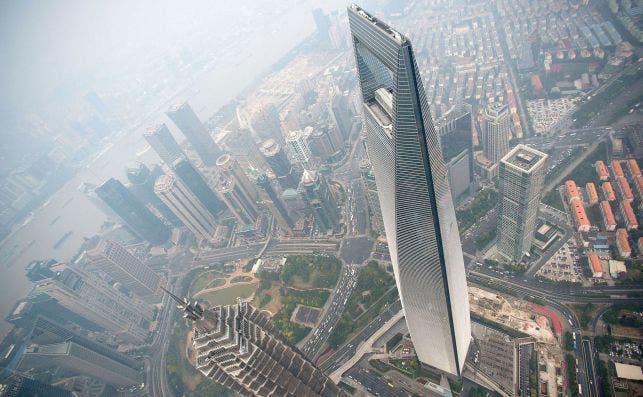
{"x":433,"y":197}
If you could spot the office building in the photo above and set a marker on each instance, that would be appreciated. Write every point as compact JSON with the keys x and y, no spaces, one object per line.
{"x":238,"y":347}
{"x":195,"y":132}
{"x":229,"y":167}
{"x":197,"y":184}
{"x":297,"y":142}
{"x":266,"y":123}
{"x":186,"y":206}
{"x":17,"y":385}
{"x":141,"y":183}
{"x":98,"y":302}
{"x":275,"y":204}
{"x":73,"y":358}
{"x":322,"y":143}
{"x":120,"y":266}
{"x":496,"y":131}
{"x":521,"y":175}
{"x":415,"y":198}
{"x":342,"y":114}
{"x":287,"y":176}
{"x":235,"y":197}
{"x":133,"y":212}
{"x":456,"y":140}
{"x":319,"y":198}
{"x":322,"y":23}
{"x":161,"y":140}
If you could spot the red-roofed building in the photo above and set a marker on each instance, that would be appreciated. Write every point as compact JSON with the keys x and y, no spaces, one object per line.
{"x":536,"y":83}
{"x":580,"y":216}
{"x":633,"y":166}
{"x":608,"y":191}
{"x":628,"y":215}
{"x":601,"y":170}
{"x":640,"y":244}
{"x":626,"y":190}
{"x":617,"y":169}
{"x":592,"y":194}
{"x":622,"y":244}
{"x":608,"y":217}
{"x":595,"y":265}
{"x":638,"y":183}
{"x":571,"y":191}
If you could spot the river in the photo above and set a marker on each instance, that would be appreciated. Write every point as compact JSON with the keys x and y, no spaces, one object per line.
{"x":70,"y":210}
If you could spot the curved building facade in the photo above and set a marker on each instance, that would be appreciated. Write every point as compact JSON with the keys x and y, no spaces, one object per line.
{"x":412,"y":181}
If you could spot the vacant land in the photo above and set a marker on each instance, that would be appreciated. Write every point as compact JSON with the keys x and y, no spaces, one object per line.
{"x":209,"y":279}
{"x":241,"y":279}
{"x":228,"y":296}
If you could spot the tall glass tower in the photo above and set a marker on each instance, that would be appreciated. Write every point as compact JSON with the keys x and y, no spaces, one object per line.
{"x":415,"y":198}
{"x":188,"y":122}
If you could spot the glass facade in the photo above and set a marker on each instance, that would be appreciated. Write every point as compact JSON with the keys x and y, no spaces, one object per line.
{"x":415,"y":198}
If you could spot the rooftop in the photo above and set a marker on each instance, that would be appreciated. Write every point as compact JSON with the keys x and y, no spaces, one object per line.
{"x":399,"y":38}
{"x":524,"y":158}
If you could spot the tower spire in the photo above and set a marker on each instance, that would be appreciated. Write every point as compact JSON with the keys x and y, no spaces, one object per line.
{"x":192,"y":312}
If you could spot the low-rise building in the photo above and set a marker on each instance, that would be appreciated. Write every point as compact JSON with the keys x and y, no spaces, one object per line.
{"x":592,"y":194}
{"x":617,"y":268}
{"x":571,"y":191}
{"x":601,"y":170}
{"x":640,"y":246}
{"x":617,"y":169}
{"x":608,"y":217}
{"x":628,"y":215}
{"x":625,"y":189}
{"x":622,"y":244}
{"x":638,"y":182}
{"x":580,"y":216}
{"x":595,"y":265}
{"x":633,"y":166}
{"x":608,"y":191}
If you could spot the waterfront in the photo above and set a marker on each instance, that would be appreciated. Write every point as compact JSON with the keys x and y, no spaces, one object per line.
{"x":70,"y":209}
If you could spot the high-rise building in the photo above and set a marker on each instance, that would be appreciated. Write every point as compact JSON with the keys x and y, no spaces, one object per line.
{"x":197,"y":184}
{"x":319,"y":198}
{"x":342,"y":115}
{"x":98,"y":302}
{"x":297,"y":141}
{"x":121,"y":266}
{"x":521,"y":176}
{"x":322,"y":23}
{"x":229,"y":167}
{"x":161,"y":140}
{"x":141,"y":184}
{"x":186,"y":206}
{"x":277,"y":159}
{"x":21,"y":386}
{"x":45,"y":331}
{"x":242,"y":206}
{"x":496,"y":130}
{"x":238,"y":347}
{"x":415,"y":198}
{"x":276,"y":205}
{"x":266,"y":123}
{"x":322,"y":143}
{"x":133,"y":212}
{"x":457,"y":150}
{"x":80,"y":360}
{"x":188,"y":122}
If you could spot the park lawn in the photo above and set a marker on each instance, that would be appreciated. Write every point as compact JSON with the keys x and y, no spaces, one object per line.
{"x":275,"y":303}
{"x":204,"y":281}
{"x":228,"y":296}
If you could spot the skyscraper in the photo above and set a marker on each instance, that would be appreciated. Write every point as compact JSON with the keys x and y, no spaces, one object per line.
{"x":115,"y":261}
{"x":415,"y":199}
{"x":186,"y":206}
{"x":21,"y":386}
{"x":238,"y":347}
{"x":319,"y":198}
{"x":242,"y":206}
{"x":266,"y":124}
{"x":133,"y":212}
{"x":141,"y":184}
{"x":298,"y":144}
{"x":98,"y":302}
{"x":276,"y":205}
{"x":281,"y":166}
{"x":521,"y":178}
{"x":457,"y":150}
{"x":161,"y":140}
{"x":230,"y":167}
{"x":188,"y":122}
{"x":79,"y":360}
{"x":496,"y":129}
{"x":194,"y":181}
